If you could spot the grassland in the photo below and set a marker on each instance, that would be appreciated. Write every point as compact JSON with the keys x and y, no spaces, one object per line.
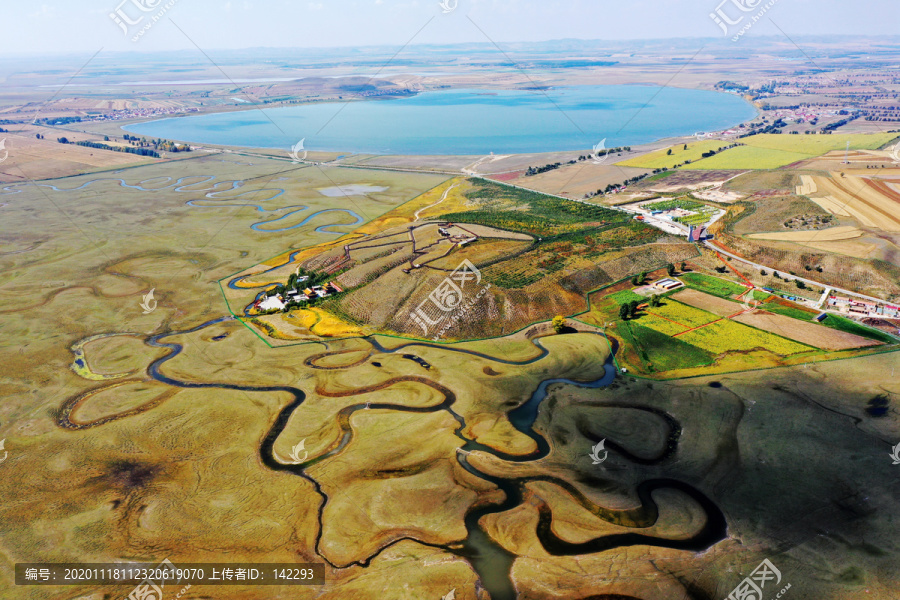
{"x":771,"y":213}
{"x":533,"y":213}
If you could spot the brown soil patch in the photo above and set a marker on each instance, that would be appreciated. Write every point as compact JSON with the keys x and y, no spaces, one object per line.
{"x":713,"y":304}
{"x":805,"y":332}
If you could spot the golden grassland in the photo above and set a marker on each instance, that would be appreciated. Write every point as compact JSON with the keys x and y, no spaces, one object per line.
{"x":760,"y":459}
{"x":156,"y":471}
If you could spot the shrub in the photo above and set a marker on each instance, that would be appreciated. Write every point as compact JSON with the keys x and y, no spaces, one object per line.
{"x":559,"y":323}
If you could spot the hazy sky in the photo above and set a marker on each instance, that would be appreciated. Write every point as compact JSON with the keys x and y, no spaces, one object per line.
{"x":55,"y":26}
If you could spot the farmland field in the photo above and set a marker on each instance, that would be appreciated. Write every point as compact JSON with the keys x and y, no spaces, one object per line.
{"x":713,"y":285}
{"x":843,"y":232}
{"x":748,"y":157}
{"x":848,"y":325}
{"x":816,"y":145}
{"x":771,"y":151}
{"x":774,"y":304}
{"x":728,"y":336}
{"x":804,"y":332}
{"x":671,"y":312}
{"x":714,"y":304}
{"x":662,"y":352}
{"x":660,"y":159}
{"x":868,"y":201}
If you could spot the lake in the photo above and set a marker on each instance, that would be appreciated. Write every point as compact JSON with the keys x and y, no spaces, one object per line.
{"x":473,"y":122}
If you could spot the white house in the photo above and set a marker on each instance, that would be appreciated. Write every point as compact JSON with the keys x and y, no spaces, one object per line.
{"x":272,"y":302}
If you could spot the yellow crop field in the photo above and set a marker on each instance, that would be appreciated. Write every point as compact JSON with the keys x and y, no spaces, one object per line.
{"x":680,"y":313}
{"x":728,"y":336}
{"x":659,"y":159}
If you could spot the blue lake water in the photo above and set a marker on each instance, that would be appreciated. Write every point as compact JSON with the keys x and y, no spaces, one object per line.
{"x":470,"y":121}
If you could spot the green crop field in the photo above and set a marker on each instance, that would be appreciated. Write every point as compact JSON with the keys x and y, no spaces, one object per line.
{"x":662,"y":352}
{"x":659,"y":159}
{"x":713,"y":285}
{"x":675,"y":203}
{"x":789,"y":311}
{"x":772,"y":150}
{"x":748,"y":157}
{"x":843,"y":324}
{"x":697,"y":219}
{"x":816,"y":145}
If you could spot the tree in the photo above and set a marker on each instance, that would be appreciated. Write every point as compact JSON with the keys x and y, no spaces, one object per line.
{"x":632,"y":309}
{"x":654,"y":301}
{"x":763,"y":273}
{"x":670,"y":269}
{"x":685,"y":147}
{"x":559,"y":323}
{"x":669,"y":153}
{"x":623,"y":312}
{"x":683,"y":266}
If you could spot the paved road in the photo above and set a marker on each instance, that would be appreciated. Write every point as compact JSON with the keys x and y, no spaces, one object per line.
{"x":803,"y":279}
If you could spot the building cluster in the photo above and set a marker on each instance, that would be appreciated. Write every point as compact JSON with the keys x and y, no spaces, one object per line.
{"x":141,"y":113}
{"x":864,"y":308}
{"x":459,"y":240}
{"x":667,"y":285}
{"x":297,"y":296}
